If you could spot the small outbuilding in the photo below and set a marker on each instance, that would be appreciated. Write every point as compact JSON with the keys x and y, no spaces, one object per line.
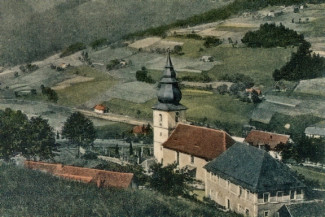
{"x":101,"y":109}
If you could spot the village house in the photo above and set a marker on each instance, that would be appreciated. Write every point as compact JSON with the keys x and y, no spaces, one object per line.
{"x":310,"y":208}
{"x":249,"y":181}
{"x":101,"y":109}
{"x":267,"y":141}
{"x":191,"y":147}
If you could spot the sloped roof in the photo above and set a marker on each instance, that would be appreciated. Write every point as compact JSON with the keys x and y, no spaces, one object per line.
{"x":198,"y":141}
{"x":256,"y":137}
{"x":100,"y":107}
{"x":315,"y":131}
{"x":315,"y":208}
{"x":253,"y":169}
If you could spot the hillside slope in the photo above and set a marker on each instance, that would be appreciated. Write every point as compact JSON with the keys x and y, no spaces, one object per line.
{"x":31,"y":30}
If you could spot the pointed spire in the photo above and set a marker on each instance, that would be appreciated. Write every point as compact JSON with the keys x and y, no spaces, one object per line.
{"x":169,"y":95}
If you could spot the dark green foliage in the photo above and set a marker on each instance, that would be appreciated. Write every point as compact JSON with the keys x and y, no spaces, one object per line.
{"x":194,"y":36}
{"x":222,"y":89}
{"x":212,"y":42}
{"x":89,"y":155}
{"x":270,"y":35}
{"x":302,"y":65}
{"x":51,"y":94}
{"x":99,"y":43}
{"x":238,"y":77}
{"x":170,"y":180}
{"x":73,"y":49}
{"x":33,"y":193}
{"x":113,"y":64}
{"x":203,"y":77}
{"x":79,"y":130}
{"x":142,"y":75}
{"x":28,"y":67}
{"x":237,"y":87}
{"x":31,"y":138}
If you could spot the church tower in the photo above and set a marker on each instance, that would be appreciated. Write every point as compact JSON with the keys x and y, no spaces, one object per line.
{"x":168,"y":111}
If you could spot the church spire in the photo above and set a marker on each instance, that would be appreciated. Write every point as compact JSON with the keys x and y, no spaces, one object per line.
{"x":169,"y":95}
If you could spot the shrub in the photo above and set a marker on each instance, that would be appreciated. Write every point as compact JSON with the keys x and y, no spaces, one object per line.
{"x":73,"y":49}
{"x":90,"y":156}
{"x":112,"y":64}
{"x":99,"y":43}
{"x":212,"y":42}
{"x":238,"y":77}
{"x":142,"y":75}
{"x":222,"y":89}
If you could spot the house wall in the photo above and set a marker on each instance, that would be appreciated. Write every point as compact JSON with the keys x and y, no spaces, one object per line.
{"x":170,"y":156}
{"x":241,"y":199}
{"x":164,"y":122}
{"x":99,"y":111}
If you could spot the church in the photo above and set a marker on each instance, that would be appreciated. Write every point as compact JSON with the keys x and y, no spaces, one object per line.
{"x":191,"y":147}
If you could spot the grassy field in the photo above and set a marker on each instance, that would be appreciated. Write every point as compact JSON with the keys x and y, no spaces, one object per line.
{"x":259,"y":63}
{"x":79,"y":93}
{"x":33,"y":193}
{"x":311,"y":174}
{"x":201,"y":105}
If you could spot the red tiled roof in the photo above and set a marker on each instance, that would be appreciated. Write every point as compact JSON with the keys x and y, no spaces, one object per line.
{"x":256,"y":138}
{"x":199,"y":141}
{"x":100,"y":107}
{"x":102,"y":178}
{"x":141,"y":129}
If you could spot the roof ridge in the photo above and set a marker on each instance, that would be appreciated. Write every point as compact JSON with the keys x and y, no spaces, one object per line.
{"x":202,"y":127}
{"x":260,"y":169}
{"x":270,"y":133}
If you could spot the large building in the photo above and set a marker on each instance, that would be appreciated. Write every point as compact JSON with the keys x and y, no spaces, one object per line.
{"x":249,"y":181}
{"x":191,"y":147}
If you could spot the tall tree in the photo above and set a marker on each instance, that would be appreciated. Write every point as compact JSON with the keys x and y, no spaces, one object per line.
{"x":170,"y":180}
{"x":79,"y":130}
{"x":40,"y":139}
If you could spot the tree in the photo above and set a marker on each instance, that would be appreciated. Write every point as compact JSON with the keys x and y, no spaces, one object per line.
{"x":222,"y":89}
{"x":40,"y":139}
{"x":79,"y":130}
{"x":30,"y":138}
{"x":170,"y":180}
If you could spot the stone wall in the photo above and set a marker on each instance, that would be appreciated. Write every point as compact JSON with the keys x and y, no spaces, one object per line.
{"x":101,"y":177}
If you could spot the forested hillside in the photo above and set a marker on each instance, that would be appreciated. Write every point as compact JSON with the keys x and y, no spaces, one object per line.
{"x":32,"y":29}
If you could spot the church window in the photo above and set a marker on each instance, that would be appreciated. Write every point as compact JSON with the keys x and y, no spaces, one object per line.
{"x":177,"y":158}
{"x":192,"y":159}
{"x":176,"y":117}
{"x":160,"y":117}
{"x":266,"y":197}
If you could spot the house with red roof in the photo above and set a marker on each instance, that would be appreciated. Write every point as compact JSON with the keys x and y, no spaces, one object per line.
{"x":267,"y":141}
{"x":192,"y":147}
{"x":101,"y":109}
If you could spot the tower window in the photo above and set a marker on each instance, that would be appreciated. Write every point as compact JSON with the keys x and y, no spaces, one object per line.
{"x":160,"y":117}
{"x":192,"y":159}
{"x":177,"y":158}
{"x":176,"y":117}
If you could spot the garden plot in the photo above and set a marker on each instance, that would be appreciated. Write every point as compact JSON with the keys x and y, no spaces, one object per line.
{"x":105,"y":55}
{"x":144,"y":43}
{"x":312,"y":86}
{"x":137,"y":92}
{"x":71,"y":81}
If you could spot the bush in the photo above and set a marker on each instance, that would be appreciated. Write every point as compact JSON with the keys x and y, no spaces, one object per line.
{"x":99,"y":43}
{"x":142,"y":75}
{"x":51,"y":94}
{"x":113,"y":64}
{"x":238,"y":77}
{"x":73,"y":49}
{"x":90,"y":156}
{"x":270,"y":35}
{"x":212,"y":42}
{"x":222,"y":89}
